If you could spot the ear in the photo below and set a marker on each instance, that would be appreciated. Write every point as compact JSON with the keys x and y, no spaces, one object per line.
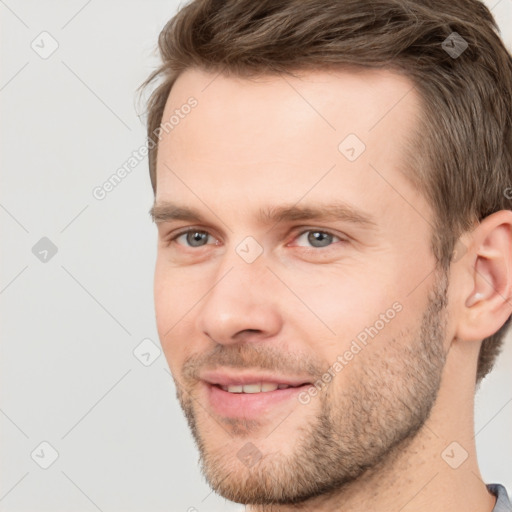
{"x":489,"y":278}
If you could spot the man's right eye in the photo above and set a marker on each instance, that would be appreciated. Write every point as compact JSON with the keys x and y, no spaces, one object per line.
{"x":191,"y":238}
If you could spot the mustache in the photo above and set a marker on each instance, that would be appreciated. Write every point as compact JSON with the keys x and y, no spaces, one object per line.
{"x":253,"y":356}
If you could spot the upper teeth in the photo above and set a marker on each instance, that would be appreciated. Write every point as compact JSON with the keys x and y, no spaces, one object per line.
{"x":254,"y":388}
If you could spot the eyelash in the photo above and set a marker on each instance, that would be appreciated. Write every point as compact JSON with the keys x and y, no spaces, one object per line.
{"x":172,"y":239}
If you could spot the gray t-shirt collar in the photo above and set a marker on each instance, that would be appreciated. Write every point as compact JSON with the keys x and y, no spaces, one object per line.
{"x":502,"y":500}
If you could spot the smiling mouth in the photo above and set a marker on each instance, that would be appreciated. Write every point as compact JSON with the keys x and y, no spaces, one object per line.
{"x":252,"y":400}
{"x":258,"y":387}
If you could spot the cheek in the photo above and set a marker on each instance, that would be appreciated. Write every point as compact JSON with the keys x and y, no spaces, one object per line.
{"x":347,"y":313}
{"x":173,"y":292}
{"x":163,"y":299}
{"x":344,"y":303}
{"x":175,"y":296}
{"x":171,"y":306}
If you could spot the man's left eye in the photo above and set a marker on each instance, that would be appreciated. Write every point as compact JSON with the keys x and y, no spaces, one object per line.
{"x":318,"y":238}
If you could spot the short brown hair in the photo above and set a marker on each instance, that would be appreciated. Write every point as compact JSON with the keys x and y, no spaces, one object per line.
{"x":463,"y":159}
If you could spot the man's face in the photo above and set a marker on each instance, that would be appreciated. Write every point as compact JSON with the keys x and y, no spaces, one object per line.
{"x":267,"y":288}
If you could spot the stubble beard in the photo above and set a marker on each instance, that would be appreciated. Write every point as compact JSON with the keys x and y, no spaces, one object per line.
{"x":389,"y":397}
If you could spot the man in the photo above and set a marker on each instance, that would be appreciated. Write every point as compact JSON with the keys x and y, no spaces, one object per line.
{"x":334,"y":274}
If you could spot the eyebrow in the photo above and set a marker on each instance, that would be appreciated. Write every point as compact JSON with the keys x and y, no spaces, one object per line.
{"x":167,"y":211}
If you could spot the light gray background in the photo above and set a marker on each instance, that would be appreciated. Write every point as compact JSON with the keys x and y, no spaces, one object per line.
{"x":70,"y":325}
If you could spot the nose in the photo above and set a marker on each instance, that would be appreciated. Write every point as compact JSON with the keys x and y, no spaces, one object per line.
{"x":242,"y":304}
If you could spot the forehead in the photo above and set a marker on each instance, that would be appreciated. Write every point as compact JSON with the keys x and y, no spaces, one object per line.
{"x":273,"y":138}
{"x":353,"y":98}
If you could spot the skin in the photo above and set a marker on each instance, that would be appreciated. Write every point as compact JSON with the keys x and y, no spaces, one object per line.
{"x":373,"y":439}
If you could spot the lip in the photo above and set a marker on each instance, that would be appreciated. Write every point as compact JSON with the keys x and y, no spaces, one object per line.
{"x":225,"y":378}
{"x":249,"y":405}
